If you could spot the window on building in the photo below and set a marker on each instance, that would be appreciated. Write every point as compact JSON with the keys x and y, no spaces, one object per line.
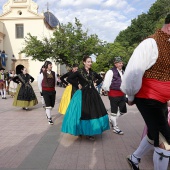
{"x":19,"y":31}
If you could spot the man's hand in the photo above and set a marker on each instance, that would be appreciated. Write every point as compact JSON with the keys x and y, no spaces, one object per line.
{"x":130,"y":103}
{"x":105,"y":93}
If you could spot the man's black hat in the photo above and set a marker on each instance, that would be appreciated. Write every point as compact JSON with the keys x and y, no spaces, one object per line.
{"x":167,"y":19}
{"x":2,"y":68}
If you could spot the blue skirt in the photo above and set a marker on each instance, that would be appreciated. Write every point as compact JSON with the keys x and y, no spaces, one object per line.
{"x":74,"y":125}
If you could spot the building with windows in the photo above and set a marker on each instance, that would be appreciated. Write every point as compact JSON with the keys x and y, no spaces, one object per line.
{"x":18,"y":18}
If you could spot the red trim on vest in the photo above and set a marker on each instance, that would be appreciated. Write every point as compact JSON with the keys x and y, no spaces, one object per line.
{"x":48,"y":88}
{"x":115,"y":93}
{"x":154,"y":89}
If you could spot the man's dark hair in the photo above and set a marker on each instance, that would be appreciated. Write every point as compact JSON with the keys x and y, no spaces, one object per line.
{"x":85,"y":58}
{"x":47,"y":63}
{"x":75,"y":65}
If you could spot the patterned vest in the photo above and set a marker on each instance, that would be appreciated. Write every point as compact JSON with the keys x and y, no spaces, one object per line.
{"x":161,"y":69}
{"x":48,"y":80}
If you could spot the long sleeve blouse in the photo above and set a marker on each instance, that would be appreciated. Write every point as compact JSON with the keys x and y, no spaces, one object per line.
{"x":62,"y":78}
{"x":143,"y":58}
{"x":84,"y":78}
{"x":23,"y":78}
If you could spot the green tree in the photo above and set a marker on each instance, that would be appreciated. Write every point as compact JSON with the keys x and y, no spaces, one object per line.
{"x":38,"y":49}
{"x":105,"y":59}
{"x":143,"y":26}
{"x":67,"y":46}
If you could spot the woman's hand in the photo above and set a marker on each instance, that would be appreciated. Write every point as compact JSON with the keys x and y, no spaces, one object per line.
{"x":79,"y":86}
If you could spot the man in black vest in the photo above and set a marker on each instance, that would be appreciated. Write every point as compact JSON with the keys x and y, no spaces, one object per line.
{"x":111,"y":84}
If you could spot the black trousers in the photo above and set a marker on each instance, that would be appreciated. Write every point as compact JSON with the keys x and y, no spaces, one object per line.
{"x":118,"y":102}
{"x":155,"y":115}
{"x":49,"y":98}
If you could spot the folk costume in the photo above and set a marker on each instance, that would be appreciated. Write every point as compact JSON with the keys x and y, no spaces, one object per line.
{"x":68,"y":93}
{"x":12,"y":85}
{"x":86,"y":113}
{"x":46,"y":84}
{"x":39,"y":77}
{"x":25,"y":96}
{"x":112,"y":82}
{"x":147,"y":82}
{"x":3,"y":83}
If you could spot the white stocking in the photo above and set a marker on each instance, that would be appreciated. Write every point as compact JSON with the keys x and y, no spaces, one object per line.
{"x":113,"y":119}
{"x":161,"y":162}
{"x":142,"y":149}
{"x":4,"y":92}
{"x":48,"y":112}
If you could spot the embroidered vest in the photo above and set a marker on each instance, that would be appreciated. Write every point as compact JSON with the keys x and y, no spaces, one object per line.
{"x":161,"y":69}
{"x":48,"y":80}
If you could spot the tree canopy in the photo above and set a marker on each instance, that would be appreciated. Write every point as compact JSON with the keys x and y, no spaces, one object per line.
{"x":67,"y":46}
{"x":70,"y":43}
{"x":127,"y":40}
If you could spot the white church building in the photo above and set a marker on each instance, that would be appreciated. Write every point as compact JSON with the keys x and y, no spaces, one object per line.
{"x":18,"y":18}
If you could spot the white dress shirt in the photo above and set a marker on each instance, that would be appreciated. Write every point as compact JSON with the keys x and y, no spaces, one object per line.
{"x":143,"y":57}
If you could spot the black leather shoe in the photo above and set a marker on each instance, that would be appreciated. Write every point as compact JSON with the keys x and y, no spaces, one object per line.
{"x":92,"y":138}
{"x":25,"y":108}
{"x":132,"y":165}
{"x":50,"y":121}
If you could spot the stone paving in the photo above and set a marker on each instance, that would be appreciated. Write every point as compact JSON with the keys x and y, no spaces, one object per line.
{"x":28,"y":142}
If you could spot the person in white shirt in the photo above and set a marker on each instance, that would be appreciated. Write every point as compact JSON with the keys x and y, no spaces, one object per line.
{"x":12,"y":84}
{"x":40,"y":77}
{"x":46,"y":85}
{"x":147,"y":83}
{"x":111,"y":84}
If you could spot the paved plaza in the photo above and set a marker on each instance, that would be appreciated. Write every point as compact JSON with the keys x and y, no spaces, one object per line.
{"x":28,"y":142}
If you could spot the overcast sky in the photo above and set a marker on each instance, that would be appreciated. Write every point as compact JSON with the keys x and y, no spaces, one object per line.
{"x":106,"y":18}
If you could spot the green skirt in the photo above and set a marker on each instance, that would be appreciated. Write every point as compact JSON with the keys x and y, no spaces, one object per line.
{"x":23,"y":103}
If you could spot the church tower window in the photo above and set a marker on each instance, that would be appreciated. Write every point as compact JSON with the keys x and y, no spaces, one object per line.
{"x":19,"y":12}
{"x":20,"y":0}
{"x":19,"y":30}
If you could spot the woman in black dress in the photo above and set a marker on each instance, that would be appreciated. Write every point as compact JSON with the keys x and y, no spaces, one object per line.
{"x":86,"y":114}
{"x":25,"y":96}
{"x":69,"y":91}
{"x":65,"y":76}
